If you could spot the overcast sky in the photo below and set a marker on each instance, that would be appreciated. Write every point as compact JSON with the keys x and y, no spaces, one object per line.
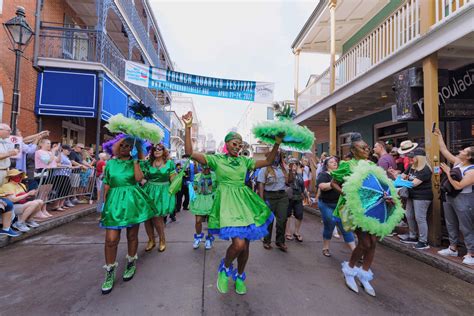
{"x":244,"y":40}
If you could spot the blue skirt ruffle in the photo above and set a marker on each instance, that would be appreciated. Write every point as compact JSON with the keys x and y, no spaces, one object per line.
{"x":250,"y":232}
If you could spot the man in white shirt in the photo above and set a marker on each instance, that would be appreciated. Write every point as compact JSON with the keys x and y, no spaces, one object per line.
{"x":7,"y":150}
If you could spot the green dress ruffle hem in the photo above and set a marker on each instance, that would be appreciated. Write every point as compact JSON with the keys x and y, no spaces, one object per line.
{"x":237,"y":211}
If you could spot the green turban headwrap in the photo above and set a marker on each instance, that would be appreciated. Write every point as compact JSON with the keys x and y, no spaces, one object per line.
{"x":231,"y":136}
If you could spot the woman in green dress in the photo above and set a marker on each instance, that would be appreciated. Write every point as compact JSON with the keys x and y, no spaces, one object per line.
{"x":204,"y":185}
{"x":238,"y":213}
{"x":126,"y":206}
{"x":159,"y":171}
{"x":348,"y":211}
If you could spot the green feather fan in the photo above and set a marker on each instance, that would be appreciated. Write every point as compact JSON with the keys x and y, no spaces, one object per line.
{"x":121,"y":124}
{"x":295,"y":136}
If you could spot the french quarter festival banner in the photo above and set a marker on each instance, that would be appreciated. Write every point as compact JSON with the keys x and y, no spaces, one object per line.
{"x":161,"y":79}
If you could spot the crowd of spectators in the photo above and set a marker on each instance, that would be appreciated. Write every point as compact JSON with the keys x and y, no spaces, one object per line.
{"x":39,"y":177}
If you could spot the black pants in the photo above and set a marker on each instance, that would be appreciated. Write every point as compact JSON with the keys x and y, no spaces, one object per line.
{"x":184,"y":192}
{"x":278,"y":202}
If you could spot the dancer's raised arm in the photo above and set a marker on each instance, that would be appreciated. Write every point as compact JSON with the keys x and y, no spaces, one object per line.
{"x":188,"y":144}
{"x":271,"y":156}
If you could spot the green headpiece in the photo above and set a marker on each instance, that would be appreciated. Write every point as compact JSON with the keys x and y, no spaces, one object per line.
{"x":231,"y":136}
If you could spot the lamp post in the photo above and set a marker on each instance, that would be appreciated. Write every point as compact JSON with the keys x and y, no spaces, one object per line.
{"x":20,"y":34}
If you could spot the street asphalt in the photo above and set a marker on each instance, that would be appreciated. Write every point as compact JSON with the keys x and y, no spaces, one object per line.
{"x":60,"y":272}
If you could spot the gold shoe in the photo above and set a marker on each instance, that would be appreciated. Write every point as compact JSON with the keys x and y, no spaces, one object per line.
{"x":150,"y":245}
{"x":162,"y":246}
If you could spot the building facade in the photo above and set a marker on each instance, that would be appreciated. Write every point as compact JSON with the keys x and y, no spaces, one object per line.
{"x":396,"y":68}
{"x":75,"y":82}
{"x":182,"y":105}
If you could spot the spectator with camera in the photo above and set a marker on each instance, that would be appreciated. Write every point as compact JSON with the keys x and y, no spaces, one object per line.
{"x":46,"y":158}
{"x":459,"y":203}
{"x":26,"y":207}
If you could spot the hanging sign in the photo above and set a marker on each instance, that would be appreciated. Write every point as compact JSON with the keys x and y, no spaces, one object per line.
{"x":161,"y":79}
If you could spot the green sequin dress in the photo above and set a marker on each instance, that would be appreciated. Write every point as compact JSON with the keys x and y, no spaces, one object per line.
{"x":237,"y":210}
{"x":157,"y":186}
{"x":204,"y":185}
{"x":126,"y":203}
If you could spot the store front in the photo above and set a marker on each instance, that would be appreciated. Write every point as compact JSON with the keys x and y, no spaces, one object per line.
{"x":71,"y":97}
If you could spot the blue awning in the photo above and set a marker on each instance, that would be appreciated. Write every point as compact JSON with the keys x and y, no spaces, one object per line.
{"x":66,"y":93}
{"x":114,"y":100}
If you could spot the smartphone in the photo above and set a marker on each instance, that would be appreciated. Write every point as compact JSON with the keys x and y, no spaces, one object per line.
{"x":433,"y":128}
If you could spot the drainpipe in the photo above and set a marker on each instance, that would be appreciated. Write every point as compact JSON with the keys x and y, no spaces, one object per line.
{"x":100,"y":97}
{"x":39,"y":4}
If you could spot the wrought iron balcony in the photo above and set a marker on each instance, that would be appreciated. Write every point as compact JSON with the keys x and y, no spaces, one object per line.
{"x":139,"y":28}
{"x":90,"y":45}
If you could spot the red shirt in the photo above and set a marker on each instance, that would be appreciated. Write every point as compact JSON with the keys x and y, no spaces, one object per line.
{"x":100,"y":167}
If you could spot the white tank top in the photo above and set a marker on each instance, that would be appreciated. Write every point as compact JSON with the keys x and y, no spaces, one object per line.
{"x":306,"y":173}
{"x":467,"y":189}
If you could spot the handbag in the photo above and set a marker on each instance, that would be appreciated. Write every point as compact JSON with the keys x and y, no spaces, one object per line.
{"x":177,"y":181}
{"x":404,"y":193}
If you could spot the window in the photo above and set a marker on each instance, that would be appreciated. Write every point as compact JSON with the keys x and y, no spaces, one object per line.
{"x":270,"y":114}
{"x":73,"y":131}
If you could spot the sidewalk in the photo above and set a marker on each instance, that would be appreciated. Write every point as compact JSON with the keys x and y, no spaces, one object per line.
{"x":58,"y":219}
{"x":451,"y":265}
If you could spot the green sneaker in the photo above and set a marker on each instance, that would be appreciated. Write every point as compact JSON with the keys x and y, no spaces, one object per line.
{"x":130,"y":269}
{"x":240,"y":287}
{"x":223,"y":278}
{"x":108,"y":284}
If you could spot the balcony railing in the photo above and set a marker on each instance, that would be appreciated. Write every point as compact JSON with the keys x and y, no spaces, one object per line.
{"x":445,"y":8}
{"x":137,"y":24}
{"x":398,"y":30}
{"x":90,"y":45}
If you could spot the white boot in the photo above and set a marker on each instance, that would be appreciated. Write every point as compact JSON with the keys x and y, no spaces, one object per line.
{"x":364,"y":278}
{"x":349,"y":276}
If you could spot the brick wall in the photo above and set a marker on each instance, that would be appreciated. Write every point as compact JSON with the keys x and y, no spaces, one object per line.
{"x":53,"y":11}
{"x":28,"y":75}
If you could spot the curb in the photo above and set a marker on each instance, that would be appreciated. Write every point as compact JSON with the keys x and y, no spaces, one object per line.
{"x":5,"y":240}
{"x":457,"y":270}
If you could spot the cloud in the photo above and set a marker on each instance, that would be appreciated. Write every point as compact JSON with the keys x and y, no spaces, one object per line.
{"x":247,"y":40}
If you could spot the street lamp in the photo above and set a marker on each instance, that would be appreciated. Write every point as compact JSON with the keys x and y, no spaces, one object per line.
{"x":20,"y":34}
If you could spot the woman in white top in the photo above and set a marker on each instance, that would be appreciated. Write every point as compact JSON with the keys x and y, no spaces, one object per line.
{"x":46,"y":158}
{"x":459,"y":210}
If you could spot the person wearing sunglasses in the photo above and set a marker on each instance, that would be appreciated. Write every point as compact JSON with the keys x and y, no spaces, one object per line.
{"x":237,"y":213}
{"x":159,"y":171}
{"x":126,"y":205}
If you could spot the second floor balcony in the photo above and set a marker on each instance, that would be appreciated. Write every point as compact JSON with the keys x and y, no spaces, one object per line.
{"x":87,"y":48}
{"x":367,"y":38}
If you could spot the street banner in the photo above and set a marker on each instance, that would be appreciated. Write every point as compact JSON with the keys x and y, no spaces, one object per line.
{"x":162,"y":79}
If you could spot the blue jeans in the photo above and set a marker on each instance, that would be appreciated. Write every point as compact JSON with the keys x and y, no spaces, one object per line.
{"x":327,"y":209}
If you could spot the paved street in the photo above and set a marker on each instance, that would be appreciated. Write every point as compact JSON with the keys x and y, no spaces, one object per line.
{"x":59,"y":272}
